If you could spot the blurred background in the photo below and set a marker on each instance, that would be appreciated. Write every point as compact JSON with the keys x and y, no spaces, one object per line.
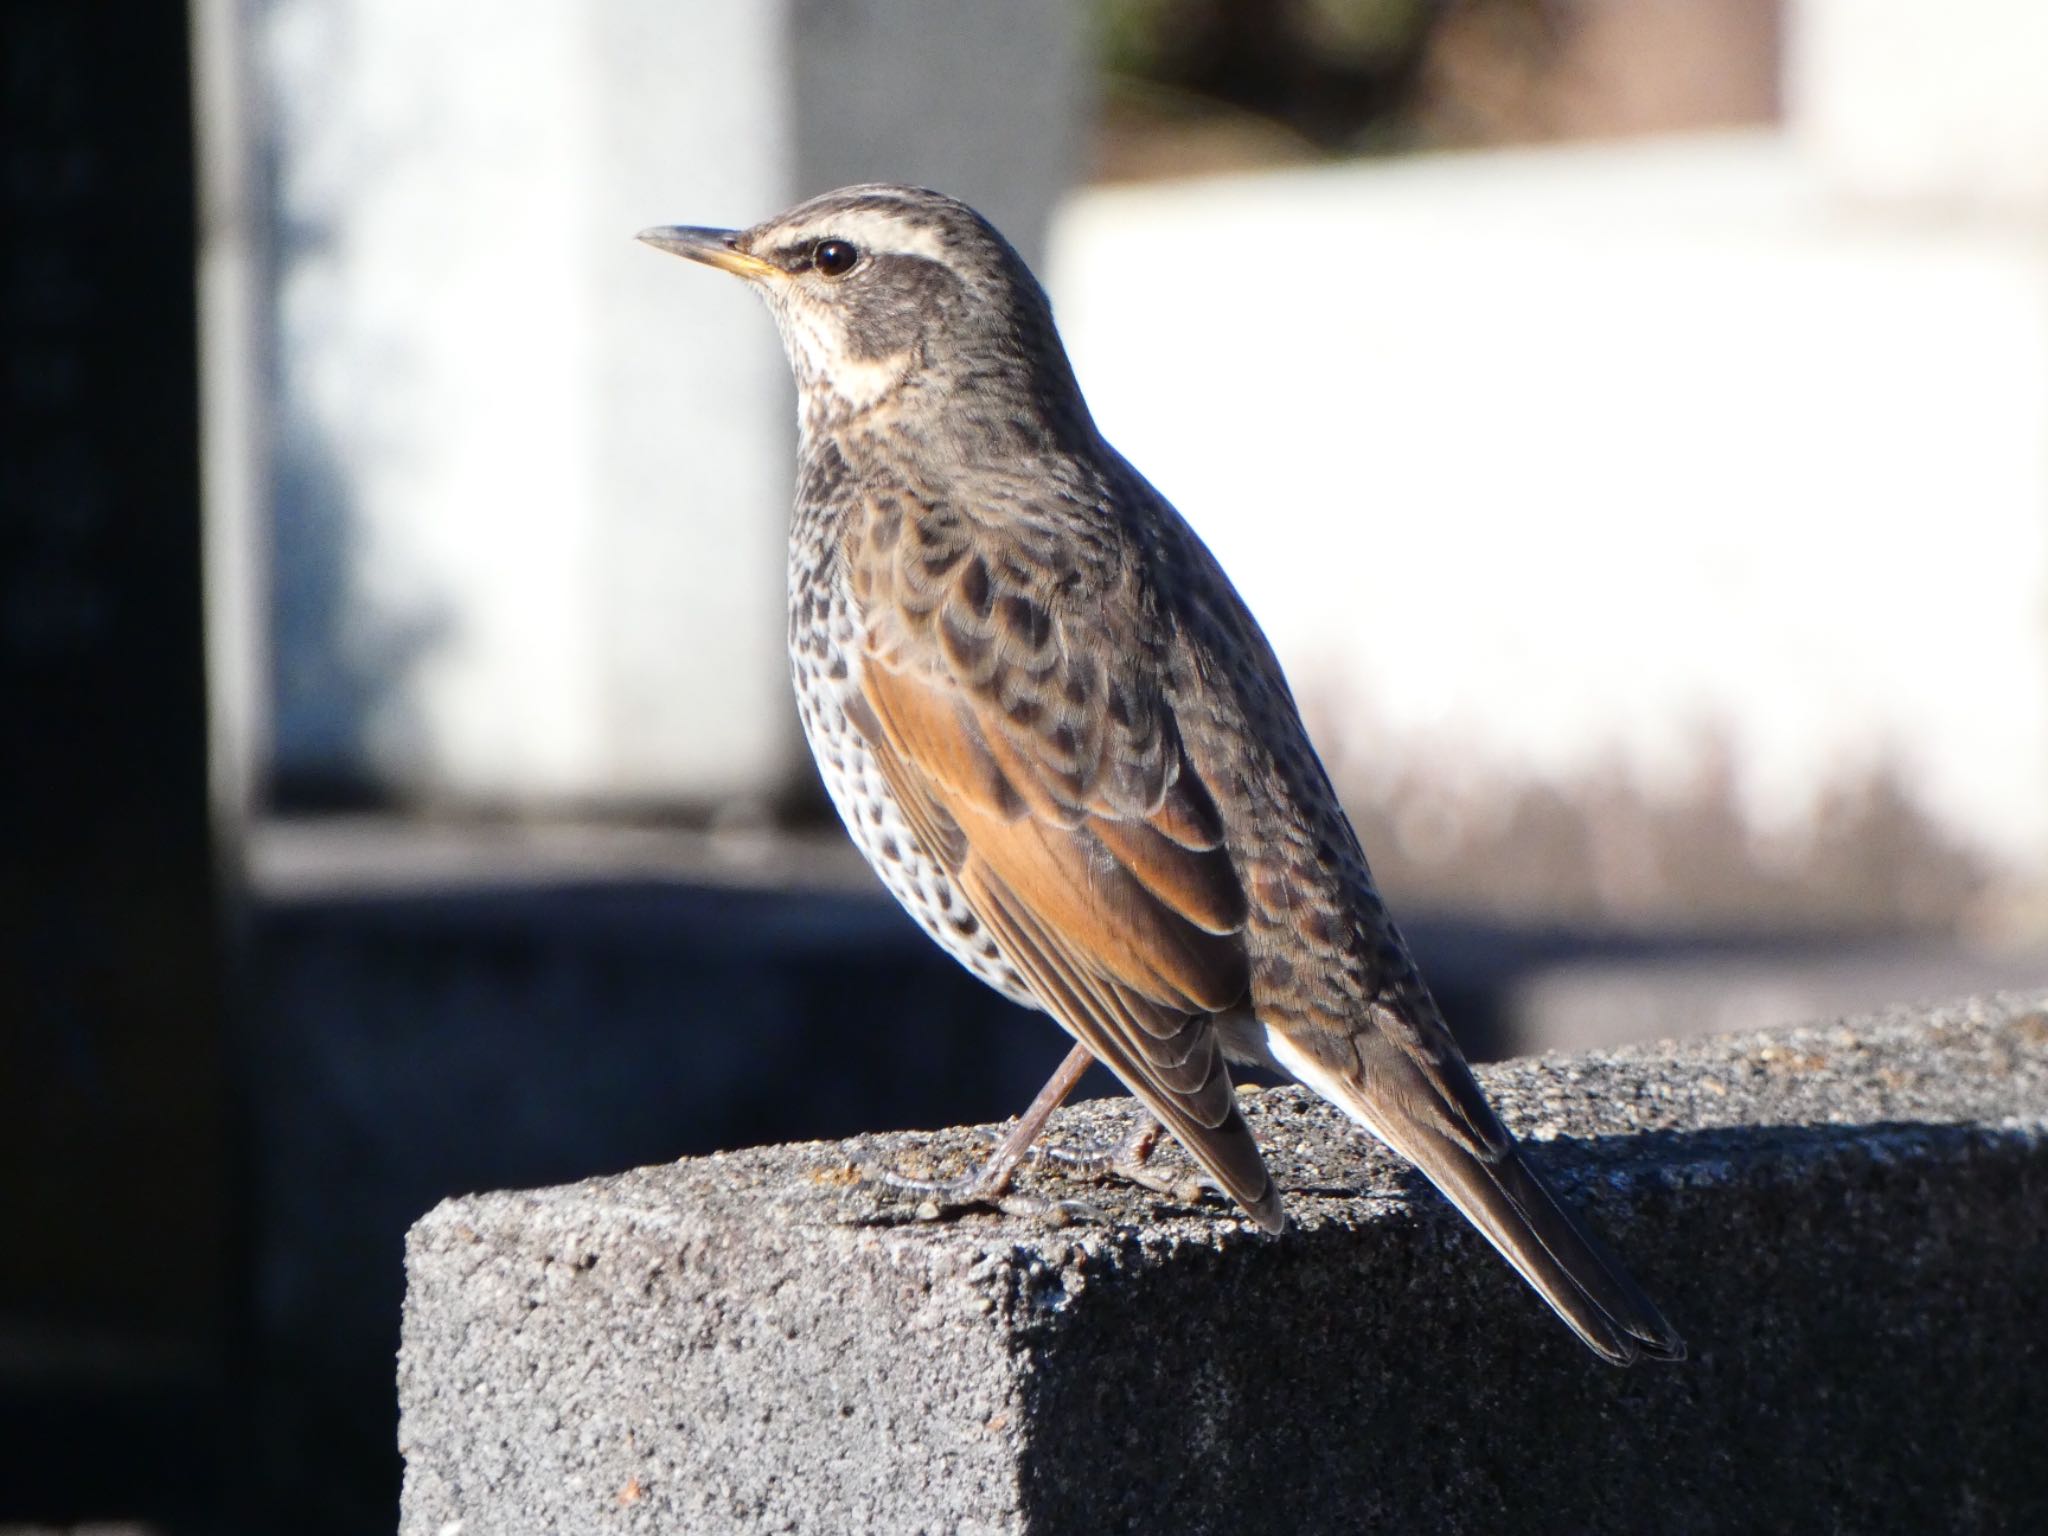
{"x":1629,"y":417}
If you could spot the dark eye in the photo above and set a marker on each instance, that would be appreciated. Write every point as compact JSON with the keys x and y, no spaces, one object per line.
{"x":835,"y":258}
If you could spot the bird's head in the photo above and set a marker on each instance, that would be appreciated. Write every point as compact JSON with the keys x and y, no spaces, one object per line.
{"x":878,"y":288}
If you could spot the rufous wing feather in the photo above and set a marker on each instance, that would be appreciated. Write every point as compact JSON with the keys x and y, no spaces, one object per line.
{"x":1128,"y":936}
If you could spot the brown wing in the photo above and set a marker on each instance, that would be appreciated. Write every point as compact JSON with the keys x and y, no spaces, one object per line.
{"x":1033,"y":763}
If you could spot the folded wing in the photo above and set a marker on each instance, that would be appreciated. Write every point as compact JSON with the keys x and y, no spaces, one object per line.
{"x":1049,"y":781}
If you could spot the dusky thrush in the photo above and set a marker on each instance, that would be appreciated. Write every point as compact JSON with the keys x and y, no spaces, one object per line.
{"x":1064,"y":744}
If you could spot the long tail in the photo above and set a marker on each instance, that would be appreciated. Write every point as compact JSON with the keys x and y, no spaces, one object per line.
{"x":1436,"y":1117}
{"x":1570,"y":1269}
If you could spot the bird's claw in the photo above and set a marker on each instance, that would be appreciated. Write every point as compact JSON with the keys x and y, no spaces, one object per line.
{"x":976,"y":1188}
{"x":947,"y":1198}
{"x":989,"y":1185}
{"x":1093,"y":1161}
{"x":1128,"y":1159}
{"x":1056,"y":1213}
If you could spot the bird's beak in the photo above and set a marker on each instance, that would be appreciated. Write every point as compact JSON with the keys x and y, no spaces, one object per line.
{"x":714,"y":247}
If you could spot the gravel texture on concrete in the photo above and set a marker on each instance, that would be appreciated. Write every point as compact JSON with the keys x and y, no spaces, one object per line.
{"x":1848,"y":1221}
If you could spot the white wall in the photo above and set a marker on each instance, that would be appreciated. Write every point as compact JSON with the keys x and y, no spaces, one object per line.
{"x":1539,"y":463}
{"x":529,"y":480}
{"x":1942,"y":106}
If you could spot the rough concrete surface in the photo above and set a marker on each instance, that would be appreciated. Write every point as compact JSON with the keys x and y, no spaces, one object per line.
{"x":1849,"y":1221}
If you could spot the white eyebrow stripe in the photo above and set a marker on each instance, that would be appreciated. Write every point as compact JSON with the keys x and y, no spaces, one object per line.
{"x":872,"y":230}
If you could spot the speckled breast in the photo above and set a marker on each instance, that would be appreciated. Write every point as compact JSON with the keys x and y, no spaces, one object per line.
{"x":825,"y":659}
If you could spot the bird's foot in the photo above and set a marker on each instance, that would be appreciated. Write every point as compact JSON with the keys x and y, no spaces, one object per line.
{"x":1129,"y":1159}
{"x":983,"y":1188}
{"x":988,"y":1187}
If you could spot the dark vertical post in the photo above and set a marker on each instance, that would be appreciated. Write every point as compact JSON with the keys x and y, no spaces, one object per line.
{"x":113,"y":1158}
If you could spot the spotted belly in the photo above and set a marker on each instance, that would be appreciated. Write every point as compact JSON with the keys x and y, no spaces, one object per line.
{"x":868,"y":808}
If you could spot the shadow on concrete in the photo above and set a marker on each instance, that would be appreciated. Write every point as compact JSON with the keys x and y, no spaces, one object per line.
{"x":1864,"y":1304}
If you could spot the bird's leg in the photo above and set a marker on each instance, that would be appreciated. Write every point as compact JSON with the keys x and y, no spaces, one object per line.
{"x":990,"y":1183}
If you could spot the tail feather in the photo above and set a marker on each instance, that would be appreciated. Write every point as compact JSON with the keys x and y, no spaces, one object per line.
{"x":1568,"y":1267}
{"x":1447,"y":1131}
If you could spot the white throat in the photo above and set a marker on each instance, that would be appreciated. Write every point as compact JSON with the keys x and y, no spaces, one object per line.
{"x":823,"y":370}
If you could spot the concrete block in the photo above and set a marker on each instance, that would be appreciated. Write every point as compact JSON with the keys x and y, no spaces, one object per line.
{"x":417,"y":1040}
{"x":1849,"y":1221}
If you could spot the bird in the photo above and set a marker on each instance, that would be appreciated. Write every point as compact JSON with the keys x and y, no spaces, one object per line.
{"x":1064,"y":744}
